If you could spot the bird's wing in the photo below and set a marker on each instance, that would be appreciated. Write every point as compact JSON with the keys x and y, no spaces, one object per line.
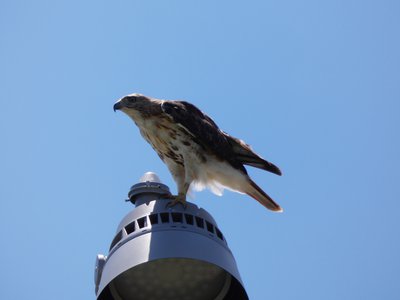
{"x":247,"y":156}
{"x":203,"y":130}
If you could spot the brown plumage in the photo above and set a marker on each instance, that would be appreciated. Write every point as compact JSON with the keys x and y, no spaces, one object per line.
{"x":197,"y":153}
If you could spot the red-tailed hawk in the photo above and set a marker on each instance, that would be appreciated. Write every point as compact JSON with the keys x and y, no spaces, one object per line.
{"x":198,"y":154}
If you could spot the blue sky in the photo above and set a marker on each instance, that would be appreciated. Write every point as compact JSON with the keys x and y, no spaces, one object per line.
{"x":313,"y":86}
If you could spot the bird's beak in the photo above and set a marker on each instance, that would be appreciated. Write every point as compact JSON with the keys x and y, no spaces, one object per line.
{"x":118,"y":105}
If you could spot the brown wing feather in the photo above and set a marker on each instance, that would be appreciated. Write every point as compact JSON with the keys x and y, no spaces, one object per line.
{"x":203,"y":129}
{"x":248,"y":157}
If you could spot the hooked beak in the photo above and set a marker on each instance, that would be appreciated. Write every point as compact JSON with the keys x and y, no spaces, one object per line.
{"x":118,"y":105}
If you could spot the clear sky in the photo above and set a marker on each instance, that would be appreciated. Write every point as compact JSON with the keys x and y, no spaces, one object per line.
{"x":313,"y":86}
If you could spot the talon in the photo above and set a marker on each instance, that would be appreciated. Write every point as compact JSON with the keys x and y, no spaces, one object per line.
{"x":179,"y":199}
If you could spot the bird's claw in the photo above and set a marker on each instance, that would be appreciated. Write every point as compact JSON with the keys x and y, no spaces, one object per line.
{"x":177,"y":200}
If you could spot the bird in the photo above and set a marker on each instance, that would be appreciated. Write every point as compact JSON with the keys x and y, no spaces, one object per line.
{"x":196,"y":151}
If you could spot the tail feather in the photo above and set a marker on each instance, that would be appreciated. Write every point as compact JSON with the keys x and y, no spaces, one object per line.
{"x":257,"y":193}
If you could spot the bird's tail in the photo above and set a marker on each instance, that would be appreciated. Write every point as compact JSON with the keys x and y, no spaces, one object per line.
{"x":254,"y":191}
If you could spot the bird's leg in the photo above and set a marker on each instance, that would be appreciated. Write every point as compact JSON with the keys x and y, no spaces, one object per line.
{"x":177,"y":199}
{"x":181,"y":197}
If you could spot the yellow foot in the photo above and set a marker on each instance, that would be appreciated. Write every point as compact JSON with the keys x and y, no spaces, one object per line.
{"x":179,"y":199}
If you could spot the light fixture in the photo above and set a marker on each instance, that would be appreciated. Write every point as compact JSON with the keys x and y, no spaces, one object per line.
{"x":164,"y":253}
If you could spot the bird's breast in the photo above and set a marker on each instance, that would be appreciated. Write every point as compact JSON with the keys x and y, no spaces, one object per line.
{"x":171,"y":142}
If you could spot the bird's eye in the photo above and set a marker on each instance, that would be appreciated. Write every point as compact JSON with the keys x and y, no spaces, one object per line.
{"x":131,"y":99}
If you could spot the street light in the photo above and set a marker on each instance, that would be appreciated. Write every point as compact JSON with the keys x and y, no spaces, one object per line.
{"x":163,"y":253}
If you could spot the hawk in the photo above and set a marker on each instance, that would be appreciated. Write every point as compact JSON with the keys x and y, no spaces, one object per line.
{"x":197,"y":153}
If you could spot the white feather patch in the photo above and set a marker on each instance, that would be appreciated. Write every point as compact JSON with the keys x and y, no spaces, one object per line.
{"x":214,"y":186}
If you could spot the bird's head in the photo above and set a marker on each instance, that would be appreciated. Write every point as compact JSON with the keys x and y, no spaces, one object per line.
{"x":132,"y":102}
{"x":137,"y":106}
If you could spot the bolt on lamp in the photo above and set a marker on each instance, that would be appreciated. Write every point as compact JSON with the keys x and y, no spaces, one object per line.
{"x":164,"y":253}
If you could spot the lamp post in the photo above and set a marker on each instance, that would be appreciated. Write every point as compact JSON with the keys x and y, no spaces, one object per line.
{"x":163,"y":253}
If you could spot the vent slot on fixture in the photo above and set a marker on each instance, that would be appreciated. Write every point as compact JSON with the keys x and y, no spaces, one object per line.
{"x":177,"y":217}
{"x":153,"y":219}
{"x":189,"y":219}
{"x":210,"y":227}
{"x":142,"y":222}
{"x":199,"y":222}
{"x":116,"y":239}
{"x":130,"y":227}
{"x":164,"y":217}
{"x":219,"y":233}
